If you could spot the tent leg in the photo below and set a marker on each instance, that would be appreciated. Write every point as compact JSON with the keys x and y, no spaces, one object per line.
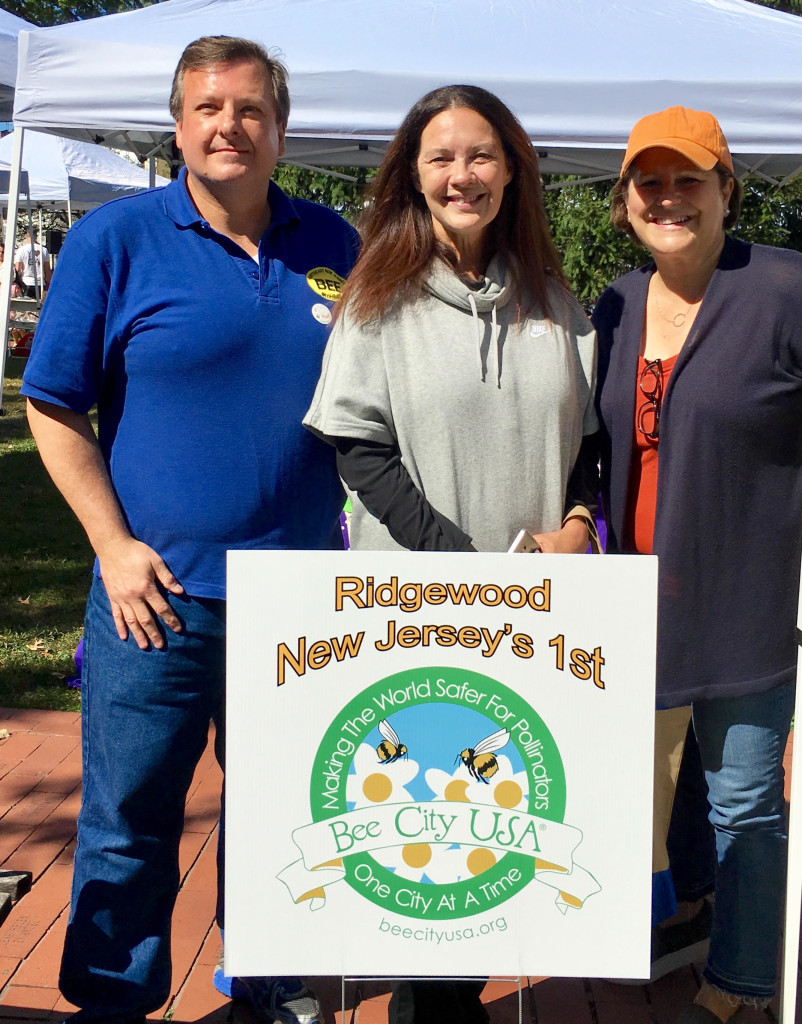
{"x":8,"y":265}
{"x":39,"y":278}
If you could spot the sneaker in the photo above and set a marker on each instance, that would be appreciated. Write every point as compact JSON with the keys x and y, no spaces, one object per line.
{"x":222,"y":982}
{"x":677,"y":946}
{"x":284,"y":1000}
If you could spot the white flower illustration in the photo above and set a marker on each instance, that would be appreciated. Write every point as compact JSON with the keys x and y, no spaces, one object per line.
{"x":376,"y":782}
{"x":440,"y":864}
{"x":506,"y":788}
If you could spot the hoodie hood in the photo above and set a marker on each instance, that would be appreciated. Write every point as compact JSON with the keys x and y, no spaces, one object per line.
{"x":495,"y":289}
{"x":491,"y":295}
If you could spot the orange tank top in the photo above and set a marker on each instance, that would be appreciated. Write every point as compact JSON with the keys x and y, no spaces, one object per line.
{"x":642,"y":493}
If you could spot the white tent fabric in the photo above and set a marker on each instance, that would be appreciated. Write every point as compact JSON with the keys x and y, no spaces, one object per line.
{"x":578,"y":73}
{"x":63,"y":171}
{"x":10,"y":28}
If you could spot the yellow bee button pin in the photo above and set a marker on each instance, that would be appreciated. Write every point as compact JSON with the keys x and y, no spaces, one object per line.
{"x":325,"y":282}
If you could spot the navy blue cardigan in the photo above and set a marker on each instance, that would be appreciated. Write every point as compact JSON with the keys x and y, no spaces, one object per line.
{"x":728,"y":530}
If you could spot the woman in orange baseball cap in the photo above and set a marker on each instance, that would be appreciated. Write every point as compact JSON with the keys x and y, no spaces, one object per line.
{"x":701,"y":410}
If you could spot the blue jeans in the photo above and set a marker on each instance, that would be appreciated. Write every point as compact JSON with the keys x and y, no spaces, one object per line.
{"x":741,"y":742}
{"x":146,"y":718}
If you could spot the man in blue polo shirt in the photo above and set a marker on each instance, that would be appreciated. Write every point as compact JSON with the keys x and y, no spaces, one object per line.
{"x":194,"y":317}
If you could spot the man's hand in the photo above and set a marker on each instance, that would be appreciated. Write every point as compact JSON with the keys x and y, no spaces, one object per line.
{"x":132,"y":573}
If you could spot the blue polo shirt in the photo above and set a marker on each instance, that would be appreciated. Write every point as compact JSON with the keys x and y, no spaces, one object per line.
{"x":202,"y":363}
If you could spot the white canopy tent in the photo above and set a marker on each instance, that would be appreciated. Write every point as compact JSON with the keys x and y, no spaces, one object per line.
{"x":64,"y":174}
{"x":68,"y":175}
{"x":577,"y":72}
{"x":10,"y":28}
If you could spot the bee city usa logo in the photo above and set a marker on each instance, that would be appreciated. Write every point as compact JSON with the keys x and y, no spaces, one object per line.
{"x":438,"y":794}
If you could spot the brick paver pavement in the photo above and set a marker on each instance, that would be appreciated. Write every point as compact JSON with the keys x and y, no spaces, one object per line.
{"x":40,"y":778}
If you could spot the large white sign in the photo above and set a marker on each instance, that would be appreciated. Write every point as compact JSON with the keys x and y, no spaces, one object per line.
{"x":439,"y":764}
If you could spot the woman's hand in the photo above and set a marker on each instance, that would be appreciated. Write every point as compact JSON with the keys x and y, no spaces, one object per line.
{"x":572,"y":539}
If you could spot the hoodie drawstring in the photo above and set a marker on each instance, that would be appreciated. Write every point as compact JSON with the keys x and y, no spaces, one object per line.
{"x":495,"y":330}
{"x":495,"y":336}
{"x":479,"y":332}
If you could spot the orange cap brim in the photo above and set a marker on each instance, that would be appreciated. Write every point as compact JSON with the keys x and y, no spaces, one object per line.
{"x":698,"y":155}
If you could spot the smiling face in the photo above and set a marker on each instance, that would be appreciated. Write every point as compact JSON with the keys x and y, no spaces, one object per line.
{"x":674,"y":207}
{"x":462,"y":173}
{"x":228,"y":131}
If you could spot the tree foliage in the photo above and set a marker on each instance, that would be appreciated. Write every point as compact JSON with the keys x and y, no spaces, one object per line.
{"x":593,"y":252}
{"x":346,"y":197}
{"x":772,"y":215}
{"x":56,"y":12}
{"x":788,"y":6}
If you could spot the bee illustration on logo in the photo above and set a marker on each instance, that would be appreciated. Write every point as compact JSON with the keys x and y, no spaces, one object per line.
{"x":391,"y":747}
{"x":480,"y":760}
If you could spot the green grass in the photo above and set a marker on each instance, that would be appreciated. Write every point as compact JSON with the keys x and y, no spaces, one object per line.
{"x":45,"y":567}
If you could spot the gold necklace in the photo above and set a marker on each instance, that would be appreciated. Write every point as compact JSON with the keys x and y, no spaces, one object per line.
{"x":678,"y":319}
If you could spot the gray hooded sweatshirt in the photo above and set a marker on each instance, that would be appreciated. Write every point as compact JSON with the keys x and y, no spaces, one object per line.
{"x":487,"y":412}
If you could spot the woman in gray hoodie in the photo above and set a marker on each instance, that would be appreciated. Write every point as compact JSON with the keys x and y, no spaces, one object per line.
{"x":459,"y":377}
{"x":458,"y":382}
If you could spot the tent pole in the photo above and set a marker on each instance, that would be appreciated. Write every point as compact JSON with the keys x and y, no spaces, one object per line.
{"x":69,"y":211}
{"x":8,"y":265}
{"x":151,"y":171}
{"x":40,"y":284}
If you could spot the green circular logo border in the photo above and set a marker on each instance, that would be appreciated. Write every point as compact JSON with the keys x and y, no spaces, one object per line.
{"x":494,"y":878}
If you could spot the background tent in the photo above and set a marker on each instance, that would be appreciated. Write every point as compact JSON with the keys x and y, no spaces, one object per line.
{"x":64,"y":173}
{"x":10,"y":28}
{"x":577,"y":72}
{"x":5,"y":177}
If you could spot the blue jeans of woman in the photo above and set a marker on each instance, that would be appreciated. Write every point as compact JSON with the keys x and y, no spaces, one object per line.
{"x":741,"y":742}
{"x":146,"y":718}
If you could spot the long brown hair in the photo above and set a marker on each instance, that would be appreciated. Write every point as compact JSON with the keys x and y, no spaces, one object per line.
{"x":399,"y":242}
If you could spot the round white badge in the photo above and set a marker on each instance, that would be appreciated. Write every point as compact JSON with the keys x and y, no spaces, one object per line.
{"x":321,"y":313}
